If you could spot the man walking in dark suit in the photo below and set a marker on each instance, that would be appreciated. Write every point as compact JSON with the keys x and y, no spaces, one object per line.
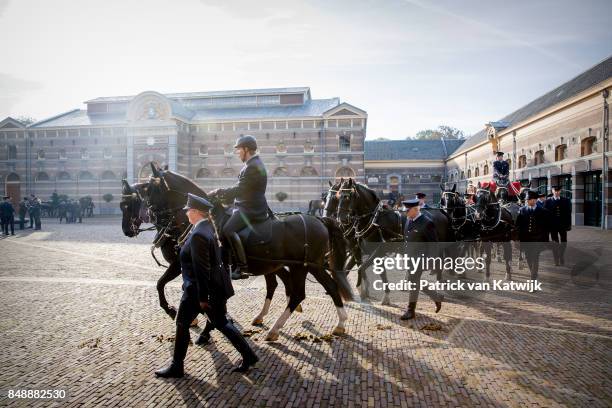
{"x":249,"y":196}
{"x":561,"y":221}
{"x":7,"y":213}
{"x":420,"y":232}
{"x":206,"y":288}
{"x":23,"y":210}
{"x":533,"y":225}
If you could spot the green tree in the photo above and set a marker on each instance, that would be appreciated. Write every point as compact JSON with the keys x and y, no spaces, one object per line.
{"x":26,"y":120}
{"x":443,"y":131}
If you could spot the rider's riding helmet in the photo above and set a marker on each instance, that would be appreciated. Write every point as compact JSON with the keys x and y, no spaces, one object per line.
{"x":247,"y":141}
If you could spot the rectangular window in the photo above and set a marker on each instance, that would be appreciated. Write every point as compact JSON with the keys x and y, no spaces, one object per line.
{"x":357,"y":123}
{"x":344,"y":123}
{"x":242,"y":126}
{"x":332,"y":123}
{"x":227,"y":127}
{"x":267,"y":125}
{"x":295,"y":124}
{"x":281,"y":125}
{"x":214,"y":127}
{"x":254,"y":126}
{"x":268,"y":100}
{"x":344,"y":143}
{"x":309,"y":124}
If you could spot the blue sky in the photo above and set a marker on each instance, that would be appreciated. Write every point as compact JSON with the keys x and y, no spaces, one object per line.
{"x":410,"y":64}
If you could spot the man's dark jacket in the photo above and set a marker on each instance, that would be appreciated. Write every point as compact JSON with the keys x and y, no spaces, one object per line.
{"x":202,"y":267}
{"x":249,"y":194}
{"x":6,"y":209}
{"x":533,"y":225}
{"x":560,"y":213}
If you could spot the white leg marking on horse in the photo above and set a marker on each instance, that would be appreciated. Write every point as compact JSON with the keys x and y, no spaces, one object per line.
{"x":264,"y":311}
{"x":273,"y":334}
{"x":342,"y":316}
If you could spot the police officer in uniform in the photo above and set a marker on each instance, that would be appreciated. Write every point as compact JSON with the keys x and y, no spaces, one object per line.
{"x":419,"y":229}
{"x":533,"y":225}
{"x":23,"y":210}
{"x":501,"y":170}
{"x":206,"y":288}
{"x":421,"y":197}
{"x":7,"y":213}
{"x":561,"y":221}
{"x":249,"y":196}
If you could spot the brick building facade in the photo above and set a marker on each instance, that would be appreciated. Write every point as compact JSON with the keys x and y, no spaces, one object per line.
{"x":303,"y":142}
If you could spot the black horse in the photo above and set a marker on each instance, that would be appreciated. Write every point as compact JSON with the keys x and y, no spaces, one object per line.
{"x":315,"y":207}
{"x":300,"y":244}
{"x":363,"y":217}
{"x":495,"y":226}
{"x":330,"y":211}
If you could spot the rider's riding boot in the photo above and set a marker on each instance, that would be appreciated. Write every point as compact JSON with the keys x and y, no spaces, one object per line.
{"x":241,"y":271}
{"x":249,"y":358}
{"x":410,"y":313}
{"x":204,"y":337}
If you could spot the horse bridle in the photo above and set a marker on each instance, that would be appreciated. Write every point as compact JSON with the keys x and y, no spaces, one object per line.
{"x":484,"y":217}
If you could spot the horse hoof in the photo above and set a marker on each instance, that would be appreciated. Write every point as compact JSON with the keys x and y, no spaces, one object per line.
{"x":194,"y":323}
{"x":299,"y":308}
{"x":257,"y":322}
{"x":339,"y":331}
{"x":272,"y":336}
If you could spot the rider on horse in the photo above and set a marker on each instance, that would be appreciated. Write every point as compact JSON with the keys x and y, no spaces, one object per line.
{"x":249,"y":196}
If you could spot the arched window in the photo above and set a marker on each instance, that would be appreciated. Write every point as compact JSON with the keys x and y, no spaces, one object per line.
{"x":469,"y":173}
{"x":538,"y":157}
{"x":561,"y":152}
{"x":85,"y":175}
{"x":509,"y":163}
{"x":308,"y":147}
{"x":477,"y":172}
{"x":281,"y":147}
{"x":62,"y":154}
{"x":281,"y":172}
{"x":485,"y":170}
{"x":587,"y":146}
{"x":203,"y":173}
{"x":42,"y":176}
{"x":203,"y":150}
{"x":344,"y":143}
{"x":462,"y":175}
{"x":107,"y":175}
{"x":84,"y":153}
{"x":522,"y":161}
{"x":308,"y":171}
{"x":63,"y":176}
{"x":12,"y":152}
{"x":40,"y":155}
{"x":345,"y":172}
{"x":13,"y":177}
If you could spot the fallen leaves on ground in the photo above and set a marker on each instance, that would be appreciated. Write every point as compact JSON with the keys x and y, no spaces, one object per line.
{"x":433,"y":327}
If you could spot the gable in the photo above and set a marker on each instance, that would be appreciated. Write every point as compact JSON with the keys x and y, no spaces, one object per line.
{"x":10,"y":123}
{"x":344,"y":112}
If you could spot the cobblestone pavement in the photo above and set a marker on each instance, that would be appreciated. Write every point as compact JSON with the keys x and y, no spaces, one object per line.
{"x":80,"y":313}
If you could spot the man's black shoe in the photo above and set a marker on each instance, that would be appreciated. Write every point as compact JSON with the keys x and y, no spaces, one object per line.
{"x":246,"y":364}
{"x":172,"y":371}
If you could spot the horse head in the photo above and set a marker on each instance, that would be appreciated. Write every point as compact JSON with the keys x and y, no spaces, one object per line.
{"x":130,"y":205}
{"x":331,"y":199}
{"x":482,"y":201}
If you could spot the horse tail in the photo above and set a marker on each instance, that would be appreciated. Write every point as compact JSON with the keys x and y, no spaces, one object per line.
{"x":337,"y":246}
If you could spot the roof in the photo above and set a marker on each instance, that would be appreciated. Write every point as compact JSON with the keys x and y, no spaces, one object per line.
{"x":79,"y":117}
{"x":591,"y":77}
{"x":195,"y":95}
{"x":311,"y":108}
{"x":410,"y":149}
